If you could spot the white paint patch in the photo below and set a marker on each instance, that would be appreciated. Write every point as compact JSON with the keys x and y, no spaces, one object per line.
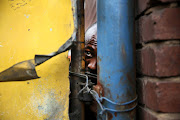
{"x":12,"y":54}
{"x":47,"y":104}
{"x":50,"y":29}
{"x":0,"y":45}
{"x":27,"y":16}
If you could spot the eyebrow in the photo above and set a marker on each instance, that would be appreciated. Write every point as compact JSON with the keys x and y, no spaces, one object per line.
{"x":88,"y":47}
{"x":92,"y":41}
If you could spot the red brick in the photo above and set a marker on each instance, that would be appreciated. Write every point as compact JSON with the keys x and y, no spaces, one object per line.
{"x":160,"y":95}
{"x":145,"y":4}
{"x":144,"y":113}
{"x":140,"y":91}
{"x":160,"y":25}
{"x":159,"y":60}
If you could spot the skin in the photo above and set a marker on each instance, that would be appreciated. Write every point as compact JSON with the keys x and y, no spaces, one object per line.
{"x":91,"y":66}
{"x":91,"y":55}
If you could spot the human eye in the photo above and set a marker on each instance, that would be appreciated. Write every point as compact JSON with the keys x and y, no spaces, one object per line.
{"x":88,"y":53}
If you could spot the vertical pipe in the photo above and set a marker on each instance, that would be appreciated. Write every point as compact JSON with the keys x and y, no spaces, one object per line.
{"x":116,"y":67}
{"x":77,"y":62}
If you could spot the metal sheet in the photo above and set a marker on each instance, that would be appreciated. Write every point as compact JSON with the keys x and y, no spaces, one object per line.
{"x":39,"y":59}
{"x":21,"y":71}
{"x":26,"y":70}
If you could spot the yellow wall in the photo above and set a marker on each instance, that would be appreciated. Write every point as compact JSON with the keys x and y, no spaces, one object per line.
{"x":29,"y":27}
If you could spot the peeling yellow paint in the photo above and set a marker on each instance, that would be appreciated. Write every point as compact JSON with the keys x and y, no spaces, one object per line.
{"x":30,"y":27}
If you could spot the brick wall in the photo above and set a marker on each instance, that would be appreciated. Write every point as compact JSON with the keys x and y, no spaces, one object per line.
{"x":158,"y":59}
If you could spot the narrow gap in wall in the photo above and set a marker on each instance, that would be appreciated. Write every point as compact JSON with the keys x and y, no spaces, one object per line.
{"x":164,"y":78}
{"x":163,"y":42}
{"x":139,"y":46}
{"x":138,"y":75}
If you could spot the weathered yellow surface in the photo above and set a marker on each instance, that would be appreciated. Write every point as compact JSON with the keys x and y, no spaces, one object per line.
{"x":29,"y":27}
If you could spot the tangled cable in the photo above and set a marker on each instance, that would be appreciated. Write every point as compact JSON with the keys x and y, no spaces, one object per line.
{"x":100,"y":99}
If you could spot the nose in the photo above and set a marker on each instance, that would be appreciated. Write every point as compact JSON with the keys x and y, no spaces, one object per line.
{"x":92,"y":65}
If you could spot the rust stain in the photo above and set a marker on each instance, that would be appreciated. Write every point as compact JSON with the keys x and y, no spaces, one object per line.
{"x":108,"y":92}
{"x":123,"y":52}
{"x":130,"y":78}
{"x":110,"y":116}
{"x":117,"y":97}
{"x":121,"y":79}
{"x":115,"y":114}
{"x":108,"y":85}
{"x":99,"y":88}
{"x":98,"y":71}
{"x":132,"y":114}
{"x":98,"y":58}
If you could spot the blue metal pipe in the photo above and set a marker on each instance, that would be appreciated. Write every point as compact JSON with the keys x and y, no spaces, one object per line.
{"x":116,"y":63}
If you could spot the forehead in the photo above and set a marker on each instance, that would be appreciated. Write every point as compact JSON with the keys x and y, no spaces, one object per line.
{"x":91,"y":43}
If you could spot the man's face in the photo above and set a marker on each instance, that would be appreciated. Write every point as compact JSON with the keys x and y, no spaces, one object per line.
{"x":91,"y":55}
